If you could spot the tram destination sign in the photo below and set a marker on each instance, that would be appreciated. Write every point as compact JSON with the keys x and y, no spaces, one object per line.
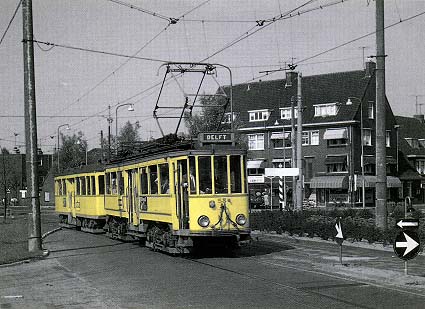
{"x":216,"y":137}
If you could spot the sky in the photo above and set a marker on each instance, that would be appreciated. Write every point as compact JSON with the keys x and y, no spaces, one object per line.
{"x":76,"y":86}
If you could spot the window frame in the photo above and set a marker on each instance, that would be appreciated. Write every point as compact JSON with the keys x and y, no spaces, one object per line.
{"x":257,"y":147}
{"x":322,"y":110}
{"x":258,"y":115}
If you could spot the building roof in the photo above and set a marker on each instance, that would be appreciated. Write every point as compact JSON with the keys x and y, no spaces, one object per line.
{"x":410,"y":128}
{"x":316,"y":89}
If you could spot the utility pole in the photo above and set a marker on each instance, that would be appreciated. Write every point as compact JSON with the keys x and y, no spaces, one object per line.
{"x":294,"y":151}
{"x":109,"y":133}
{"x":34,"y":218}
{"x":381,"y":171}
{"x":299,"y":144}
{"x":4,"y":185}
{"x":102,"y":152}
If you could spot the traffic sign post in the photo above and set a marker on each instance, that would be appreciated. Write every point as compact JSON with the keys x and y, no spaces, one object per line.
{"x":339,"y":238}
{"x":407,"y":242}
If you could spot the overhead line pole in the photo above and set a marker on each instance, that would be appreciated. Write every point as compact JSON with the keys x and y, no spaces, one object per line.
{"x":381,"y":171}
{"x":299,"y":144}
{"x":34,"y":218}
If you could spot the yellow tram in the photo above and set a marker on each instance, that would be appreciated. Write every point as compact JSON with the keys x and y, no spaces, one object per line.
{"x":169,"y":196}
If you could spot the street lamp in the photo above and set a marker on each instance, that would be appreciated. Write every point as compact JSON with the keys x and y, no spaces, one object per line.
{"x":67,"y":128}
{"x":130,"y":109}
{"x":362,"y":146}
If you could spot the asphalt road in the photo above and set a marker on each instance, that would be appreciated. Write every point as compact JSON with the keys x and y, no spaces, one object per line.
{"x":92,"y":271}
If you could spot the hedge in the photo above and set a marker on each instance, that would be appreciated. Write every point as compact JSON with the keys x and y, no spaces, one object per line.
{"x":357,"y":225}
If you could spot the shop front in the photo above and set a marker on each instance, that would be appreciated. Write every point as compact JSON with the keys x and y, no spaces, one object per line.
{"x":330,"y":190}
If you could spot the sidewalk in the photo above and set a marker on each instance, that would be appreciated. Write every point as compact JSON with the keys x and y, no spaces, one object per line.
{"x":26,"y":286}
{"x":372,"y":263}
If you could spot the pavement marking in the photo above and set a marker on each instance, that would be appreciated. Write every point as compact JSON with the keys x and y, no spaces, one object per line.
{"x":12,"y":296}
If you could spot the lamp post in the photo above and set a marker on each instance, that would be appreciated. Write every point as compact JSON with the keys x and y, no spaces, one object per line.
{"x":362,"y":148}
{"x":67,"y":127}
{"x":130,"y":109}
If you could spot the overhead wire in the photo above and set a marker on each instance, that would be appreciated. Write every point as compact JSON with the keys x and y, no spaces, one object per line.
{"x":10,"y":22}
{"x":344,"y":44}
{"x":144,"y":46}
{"x":154,"y":14}
{"x":109,"y":75}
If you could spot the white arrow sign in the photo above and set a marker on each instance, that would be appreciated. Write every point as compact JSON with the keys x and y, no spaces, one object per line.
{"x":403,"y":224}
{"x":338,"y":230}
{"x":409,"y":244}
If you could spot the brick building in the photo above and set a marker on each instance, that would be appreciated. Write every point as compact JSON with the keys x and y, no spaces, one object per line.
{"x":331,"y":137}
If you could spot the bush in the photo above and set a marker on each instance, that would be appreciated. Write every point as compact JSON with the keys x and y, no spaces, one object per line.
{"x":356,"y":224}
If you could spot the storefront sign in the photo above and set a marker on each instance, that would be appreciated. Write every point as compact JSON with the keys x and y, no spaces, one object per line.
{"x":256,"y":179}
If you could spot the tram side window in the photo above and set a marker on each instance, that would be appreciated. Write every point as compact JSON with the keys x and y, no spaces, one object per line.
{"x":83,"y":185}
{"x":120,"y":183}
{"x":143,"y":181}
{"x":205,"y":178}
{"x":64,"y":187}
{"x":235,"y":174}
{"x":88,"y":185}
{"x":164,"y":178}
{"x":93,"y":185}
{"x":108,"y":183}
{"x":114,"y":183}
{"x":101,"y":182}
{"x":153,"y":178}
{"x":77,"y":185}
{"x":58,"y":187}
{"x":220,"y":174}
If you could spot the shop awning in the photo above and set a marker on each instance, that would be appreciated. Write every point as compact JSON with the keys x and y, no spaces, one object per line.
{"x":279,"y":160}
{"x":329,"y":182}
{"x":370,"y":181}
{"x":371,"y":160}
{"x":279,"y":135}
{"x":335,"y":133}
{"x":255,"y":164}
{"x":335,"y":159}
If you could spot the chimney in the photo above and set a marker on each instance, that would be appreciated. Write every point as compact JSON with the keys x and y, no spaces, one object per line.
{"x":420,"y":117}
{"x":369,"y":68}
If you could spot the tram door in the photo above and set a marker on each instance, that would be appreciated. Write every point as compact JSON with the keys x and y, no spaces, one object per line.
{"x":71,"y":189}
{"x":182,"y":192}
{"x":131,"y":194}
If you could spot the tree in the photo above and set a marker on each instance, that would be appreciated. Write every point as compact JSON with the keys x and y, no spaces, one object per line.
{"x":208,"y":119}
{"x":72,"y":153}
{"x":212,"y":118}
{"x":129,"y":133}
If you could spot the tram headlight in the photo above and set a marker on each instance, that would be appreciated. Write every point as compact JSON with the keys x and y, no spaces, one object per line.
{"x":241,"y":219}
{"x":203,"y":221}
{"x":212,"y":204}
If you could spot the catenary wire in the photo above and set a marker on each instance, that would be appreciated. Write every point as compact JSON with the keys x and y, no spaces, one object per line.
{"x":344,"y":44}
{"x":10,"y":22}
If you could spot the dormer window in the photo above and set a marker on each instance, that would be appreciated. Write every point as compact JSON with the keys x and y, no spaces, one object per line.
{"x":259,"y":115}
{"x":413,"y":142}
{"x":324,"y":110}
{"x":286,"y":113}
{"x":422,"y":142}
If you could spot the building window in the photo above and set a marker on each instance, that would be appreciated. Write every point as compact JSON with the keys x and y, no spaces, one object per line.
{"x":421,"y":142}
{"x":305,"y":138}
{"x":324,"y":110}
{"x":255,"y":171}
{"x":277,"y":140}
{"x":420,"y":166}
{"x":314,"y":140}
{"x":285,"y":113}
{"x":337,"y":142}
{"x":367,"y":137}
{"x":259,"y":115}
{"x":256,"y":141}
{"x":388,"y":138}
{"x":227,"y":118}
{"x":370,"y":113}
